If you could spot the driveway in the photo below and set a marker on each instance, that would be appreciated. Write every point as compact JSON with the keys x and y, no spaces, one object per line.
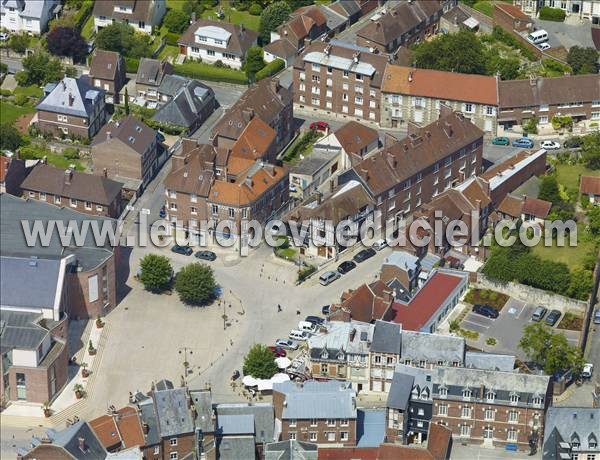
{"x":567,"y":35}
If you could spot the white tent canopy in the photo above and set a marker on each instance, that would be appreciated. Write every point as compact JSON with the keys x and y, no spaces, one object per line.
{"x":283,"y":362}
{"x":249,"y":381}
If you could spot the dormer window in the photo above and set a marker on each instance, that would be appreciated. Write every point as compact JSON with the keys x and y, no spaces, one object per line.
{"x":514,"y":398}
{"x":490,"y":396}
{"x":425,"y":393}
{"x":466,"y":393}
{"x":443,"y":391}
{"x":592,"y":441}
{"x":575,"y":443}
{"x":324,"y":354}
{"x":537,"y":400}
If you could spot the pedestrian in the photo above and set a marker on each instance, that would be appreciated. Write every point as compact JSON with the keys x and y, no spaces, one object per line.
{"x":298,"y":312}
{"x":278,"y":308}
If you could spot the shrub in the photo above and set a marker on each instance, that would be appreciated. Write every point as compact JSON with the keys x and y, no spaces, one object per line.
{"x":508,"y":39}
{"x":491,"y":341}
{"x":195,"y":284}
{"x":131,"y":65}
{"x":202,"y":71}
{"x":219,"y":64}
{"x":454,"y":325}
{"x":270,"y":69}
{"x":531,"y":126}
{"x":5,"y":92}
{"x":176,"y":21}
{"x":552,"y":14}
{"x":305,"y":272}
{"x":255,"y":9}
{"x":83,"y":13}
{"x":21,"y":99}
{"x":156,"y":272}
{"x":171,"y":39}
{"x":71,"y":153}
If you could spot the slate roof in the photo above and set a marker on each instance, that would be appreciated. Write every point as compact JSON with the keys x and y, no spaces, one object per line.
{"x":142,"y":10}
{"x":262,"y":413}
{"x":13,"y":242}
{"x":80,"y":186}
{"x":148,"y":416}
{"x":316,"y":399}
{"x":174,"y":417}
{"x":20,"y":330}
{"x":432,"y":348}
{"x":68,"y":439}
{"x":27,"y":8}
{"x":491,"y":361}
{"x":72,"y":96}
{"x":235,"y":424}
{"x":130,"y":131}
{"x":202,"y":401}
{"x":291,"y":450}
{"x":387,"y":338}
{"x":370,"y":427}
{"x":186,"y":106}
{"x":236,"y":448}
{"x":403,"y":260}
{"x":152,"y":71}
{"x":105,"y":64}
{"x":399,"y":394}
{"x":240,"y":40}
{"x":572,"y":423}
{"x":590,"y":185}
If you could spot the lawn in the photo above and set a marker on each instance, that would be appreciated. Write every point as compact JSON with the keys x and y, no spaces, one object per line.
{"x":301,"y":147}
{"x":234,"y":16}
{"x":175,"y":4}
{"x":29,"y":91}
{"x":487,"y":6}
{"x":88,"y":28}
{"x":168,"y":50}
{"x":568,"y":175}
{"x":573,"y":256}
{"x":33,"y":151}
{"x":10,"y":112}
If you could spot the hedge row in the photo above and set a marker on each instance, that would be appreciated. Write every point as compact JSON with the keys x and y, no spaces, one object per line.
{"x":270,"y":69}
{"x":82,"y":15}
{"x":552,"y":14}
{"x":172,"y":39}
{"x":131,"y":65}
{"x":202,"y":71}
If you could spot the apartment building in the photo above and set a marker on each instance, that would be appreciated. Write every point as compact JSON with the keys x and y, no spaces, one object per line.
{"x":341,"y":80}
{"x":82,"y":192}
{"x":213,"y":41}
{"x":119,"y":429}
{"x":571,"y":432}
{"x":402,"y":25}
{"x":72,"y":107}
{"x":408,"y":173}
{"x":320,"y":412}
{"x":577,"y":96}
{"x":416,"y":95}
{"x":107,"y":71}
{"x":142,"y":15}
{"x":28,"y":16}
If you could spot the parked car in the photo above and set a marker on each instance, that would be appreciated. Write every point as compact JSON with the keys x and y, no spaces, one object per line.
{"x":597,"y":316}
{"x":588,"y":370}
{"x":552,"y":317}
{"x":523,"y":142}
{"x":544,"y":46}
{"x":183,"y":250}
{"x":485,"y":310}
{"x":160,"y":136}
{"x":364,"y":255}
{"x":292,"y":188}
{"x":278,"y":351}
{"x":573,"y":142}
{"x":319,"y":125}
{"x":325,"y":309}
{"x":501,"y":141}
{"x":346,"y":266}
{"x":303,"y":336}
{"x":286,"y":344}
{"x":307,"y":326}
{"x":163,"y":212}
{"x":550,"y":145}
{"x":206,"y":255}
{"x":328,"y":277}
{"x":4,"y":36}
{"x":538,"y":314}
{"x":315,"y":320}
{"x":380,"y":244}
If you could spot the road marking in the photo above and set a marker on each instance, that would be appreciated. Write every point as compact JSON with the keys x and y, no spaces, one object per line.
{"x":476,"y":324}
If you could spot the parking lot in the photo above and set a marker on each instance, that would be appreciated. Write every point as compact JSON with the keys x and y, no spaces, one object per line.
{"x":507,"y":328}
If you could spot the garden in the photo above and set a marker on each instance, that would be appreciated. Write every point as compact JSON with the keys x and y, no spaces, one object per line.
{"x":301,"y":147}
{"x":486,"y":297}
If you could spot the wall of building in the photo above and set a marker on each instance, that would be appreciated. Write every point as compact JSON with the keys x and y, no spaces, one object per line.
{"x":82,"y":306}
{"x":303,"y":429}
{"x":85,"y":207}
{"x":185,"y":444}
{"x":117,"y":159}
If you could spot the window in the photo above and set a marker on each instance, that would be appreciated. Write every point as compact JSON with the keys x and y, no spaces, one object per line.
{"x":302,"y":87}
{"x":313,"y":436}
{"x":358,"y":99}
{"x":244,"y":213}
{"x":596,"y":103}
{"x":292,"y":435}
{"x":595,"y":115}
{"x":490,"y":396}
{"x":302,"y":76}
{"x":465,"y":430}
{"x":210,"y":52}
{"x":466,"y":412}
{"x":88,"y":205}
{"x":173,"y":455}
{"x":345,"y":74}
{"x":330,"y":436}
{"x":537,"y":401}
{"x":490,"y":414}
{"x":328,"y":104}
{"x":466,"y":393}
{"x":329,"y":82}
{"x":231,"y":212}
{"x":316,"y":78}
{"x":372,"y":115}
{"x":43,"y":196}
{"x":420,"y":412}
{"x":344,"y":436}
{"x":358,"y":112}
{"x":329,"y":93}
{"x":330,"y":422}
{"x":512,"y":435}
{"x":316,"y":67}
{"x":293,"y":422}
{"x":31,"y":194}
{"x":443,"y":391}
{"x":99,"y":208}
{"x":358,"y":89}
{"x":443,"y":409}
{"x":329,"y":70}
{"x":488,"y":432}
{"x":418,"y":102}
{"x":193,"y":198}
{"x":215,"y":209}
{"x":157,"y":450}
{"x":344,"y":422}
{"x":313,"y":422}
{"x":73,"y":202}
{"x":489,"y":110}
{"x":448,"y":161}
{"x":468,"y":108}
{"x":63,"y":118}
{"x":315,"y":101}
{"x":513,"y":416}
{"x":173,"y":206}
{"x":390,"y":360}
{"x":173,"y":441}
{"x":372,"y":93}
{"x":436,"y":167}
{"x":359,"y":77}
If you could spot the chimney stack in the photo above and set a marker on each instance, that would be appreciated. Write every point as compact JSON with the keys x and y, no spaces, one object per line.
{"x":108,"y":135}
{"x":105,"y":172}
{"x":81,"y":444}
{"x":71,"y":100}
{"x":68,"y":176}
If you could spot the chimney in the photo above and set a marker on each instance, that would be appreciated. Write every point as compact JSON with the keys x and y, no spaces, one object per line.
{"x":108,"y":135}
{"x":533,"y":81}
{"x":71,"y":100}
{"x":377,"y":25}
{"x":193,"y":19}
{"x":68,"y":176}
{"x":105,"y":172}
{"x":146,"y":428}
{"x":410,"y":76}
{"x":81,"y":444}
{"x":248,"y":182}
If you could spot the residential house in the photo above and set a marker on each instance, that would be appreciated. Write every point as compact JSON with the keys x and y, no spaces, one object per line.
{"x":188,"y":103}
{"x":71,"y":108}
{"x":128,"y":151}
{"x":403,"y":24}
{"x":107,"y":71}
{"x":12,"y":173}
{"x":267,"y":100}
{"x":149,"y":78}
{"x":590,"y":187}
{"x":510,"y":208}
{"x":506,"y":177}
{"x":410,"y":94}
{"x":349,"y":203}
{"x":28,"y":16}
{"x":204,"y":420}
{"x":384,"y":354}
{"x":535,"y":210}
{"x":510,"y":17}
{"x":143,"y":15}
{"x":408,"y":173}
{"x":323,"y":413}
{"x":282,"y":49}
{"x":571,"y":432}
{"x":78,"y":280}
{"x":34,"y":357}
{"x":367,"y":303}
{"x":256,"y":142}
{"x":585,"y":9}
{"x":82,"y":192}
{"x":213,"y":41}
{"x":349,"y":9}
{"x":305,"y":25}
{"x":577,"y":96}
{"x":489,"y":407}
{"x":291,"y":449}
{"x":457,"y":19}
{"x":119,"y":429}
{"x":400,"y":270}
{"x":75,"y":441}
{"x":335,"y":79}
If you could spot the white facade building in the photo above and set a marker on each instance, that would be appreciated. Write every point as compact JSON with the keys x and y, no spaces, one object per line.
{"x":29,"y":16}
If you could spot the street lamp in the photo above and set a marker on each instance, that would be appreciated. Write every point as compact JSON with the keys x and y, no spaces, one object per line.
{"x":186,"y":364}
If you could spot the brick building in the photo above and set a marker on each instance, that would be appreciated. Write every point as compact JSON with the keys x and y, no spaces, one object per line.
{"x":82,"y":192}
{"x":341,"y":80}
{"x":107,"y":71}
{"x":72,"y":108}
{"x":323,"y":413}
{"x":119,"y":429}
{"x":149,"y":78}
{"x":510,"y":17}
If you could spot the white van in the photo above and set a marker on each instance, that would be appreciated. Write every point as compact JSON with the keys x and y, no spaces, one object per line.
{"x":299,"y":335}
{"x":328,"y":277}
{"x":307,"y":326}
{"x":539,"y":36}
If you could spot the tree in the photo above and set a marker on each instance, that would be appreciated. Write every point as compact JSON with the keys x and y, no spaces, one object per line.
{"x":195,"y":284}
{"x":582,"y":60}
{"x":122,"y":38}
{"x":590,"y":150}
{"x":126,"y":102}
{"x":254,"y":62}
{"x":67,"y":41}
{"x":260,"y":362}
{"x":176,"y":21}
{"x":272,"y":17}
{"x":19,"y":43}
{"x":192,"y":6}
{"x":10,"y":138}
{"x":39,"y":68}
{"x":594,"y":219}
{"x":156,"y":272}
{"x":549,"y":190}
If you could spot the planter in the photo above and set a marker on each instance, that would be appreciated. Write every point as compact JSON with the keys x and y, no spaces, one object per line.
{"x":47,"y":413}
{"x":79,"y":394}
{"x":92,"y":351}
{"x":99,"y":324}
{"x":85,"y":373}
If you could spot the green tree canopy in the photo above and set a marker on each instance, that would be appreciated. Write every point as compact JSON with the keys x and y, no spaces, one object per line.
{"x":582,"y":60}
{"x":192,"y":6}
{"x":176,"y":21}
{"x":549,"y":190}
{"x":260,"y":362}
{"x":156,"y":272}
{"x":254,"y":62}
{"x":122,"y":38}
{"x":38,"y":69}
{"x":10,"y":138}
{"x":591,"y":150}
{"x":19,"y":43}
{"x":195,"y":284}
{"x":272,"y":17}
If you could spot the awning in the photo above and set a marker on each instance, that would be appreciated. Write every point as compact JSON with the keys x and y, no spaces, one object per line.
{"x":249,"y":381}
{"x":471,"y":23}
{"x":280,"y":378}
{"x":283,"y":362}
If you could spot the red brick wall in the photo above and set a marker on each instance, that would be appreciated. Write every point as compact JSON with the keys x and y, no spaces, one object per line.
{"x":535,"y":168}
{"x":303,"y":429}
{"x":185,"y":445}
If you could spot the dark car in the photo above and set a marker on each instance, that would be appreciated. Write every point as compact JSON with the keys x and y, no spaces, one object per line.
{"x":552,"y":317}
{"x":278,"y":351}
{"x":206,"y":255}
{"x":183,"y":250}
{"x":162,"y":213}
{"x":160,"y":137}
{"x":315,"y":320}
{"x":346,"y":266}
{"x":573,"y":142}
{"x":486,"y":310}
{"x":364,"y":255}
{"x":325,"y":309}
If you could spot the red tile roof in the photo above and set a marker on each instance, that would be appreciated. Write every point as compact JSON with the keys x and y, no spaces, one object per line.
{"x":536,"y":207}
{"x":366,"y":303}
{"x":414,"y":315}
{"x":345,"y":453}
{"x":590,"y":185}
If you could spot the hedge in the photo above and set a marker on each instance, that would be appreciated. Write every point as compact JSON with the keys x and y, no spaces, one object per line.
{"x":82,"y":15}
{"x":552,"y":14}
{"x":172,"y":39}
{"x":131,"y":65}
{"x":270,"y":69}
{"x":166,"y":128}
{"x":202,"y":71}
